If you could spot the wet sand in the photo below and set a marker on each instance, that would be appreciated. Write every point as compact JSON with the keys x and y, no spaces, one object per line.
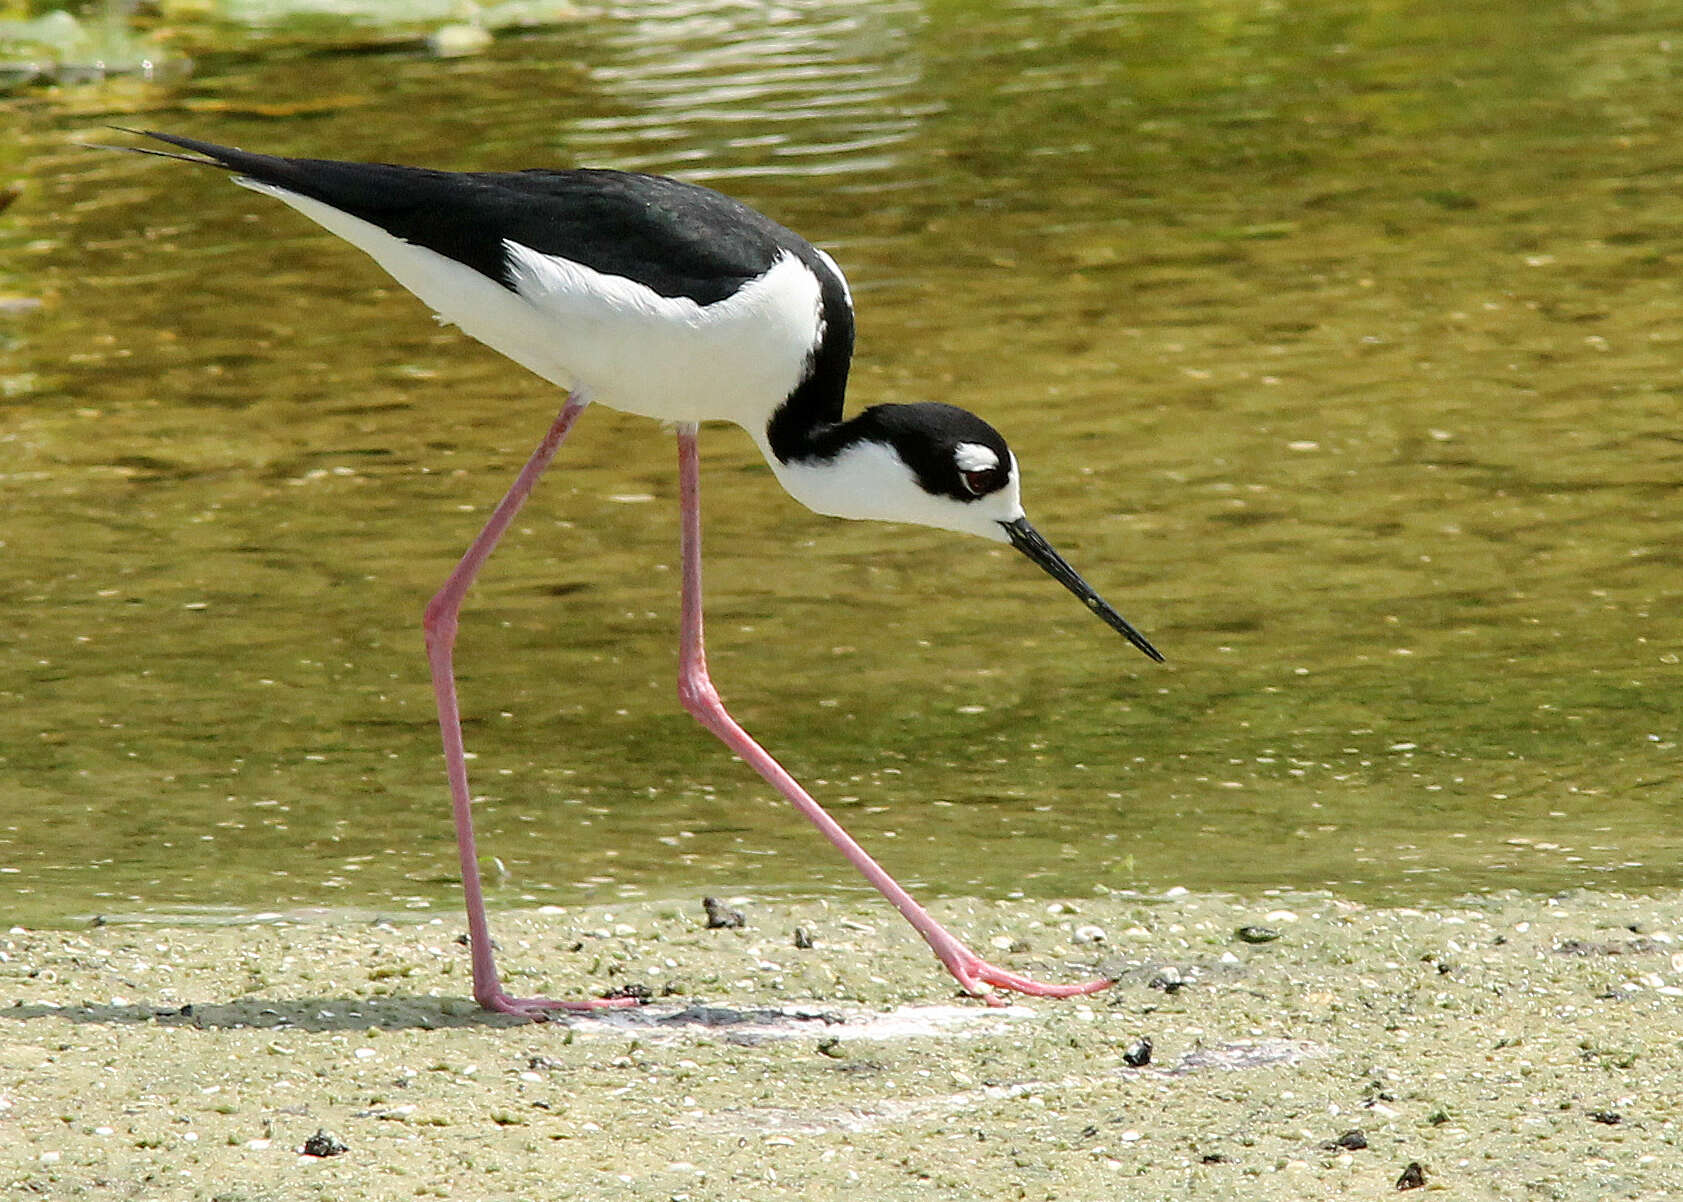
{"x":1516,"y":1047}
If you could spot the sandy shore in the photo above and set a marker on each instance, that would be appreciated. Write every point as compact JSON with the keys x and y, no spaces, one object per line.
{"x":1515,"y":1048}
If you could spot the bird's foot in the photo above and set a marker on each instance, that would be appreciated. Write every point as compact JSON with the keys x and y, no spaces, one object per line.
{"x":538,"y":1009}
{"x":981,"y":979}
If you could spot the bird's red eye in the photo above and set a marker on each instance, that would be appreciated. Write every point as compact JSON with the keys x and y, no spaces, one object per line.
{"x":979,"y":482}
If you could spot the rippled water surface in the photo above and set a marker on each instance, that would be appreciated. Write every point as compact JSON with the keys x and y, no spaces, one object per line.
{"x":1340,"y":344}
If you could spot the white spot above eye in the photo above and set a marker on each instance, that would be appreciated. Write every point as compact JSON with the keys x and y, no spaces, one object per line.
{"x":974,"y":457}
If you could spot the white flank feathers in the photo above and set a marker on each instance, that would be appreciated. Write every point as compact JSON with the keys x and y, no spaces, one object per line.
{"x":669,"y":357}
{"x":620,"y":343}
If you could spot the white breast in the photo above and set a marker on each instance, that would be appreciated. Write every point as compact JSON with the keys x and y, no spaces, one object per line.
{"x":621,"y":343}
{"x":669,"y":357}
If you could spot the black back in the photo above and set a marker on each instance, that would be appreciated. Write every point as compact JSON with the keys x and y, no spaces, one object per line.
{"x":676,"y":238}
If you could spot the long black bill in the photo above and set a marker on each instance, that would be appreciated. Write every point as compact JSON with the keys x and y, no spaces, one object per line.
{"x":1027,"y":539}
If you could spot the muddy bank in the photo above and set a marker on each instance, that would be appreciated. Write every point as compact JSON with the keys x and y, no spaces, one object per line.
{"x":1299,"y":1046}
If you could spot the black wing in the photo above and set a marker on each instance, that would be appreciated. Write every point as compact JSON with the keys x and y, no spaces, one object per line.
{"x":676,"y":238}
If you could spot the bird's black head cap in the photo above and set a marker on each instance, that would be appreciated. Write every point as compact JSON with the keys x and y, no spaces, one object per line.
{"x":952,"y":452}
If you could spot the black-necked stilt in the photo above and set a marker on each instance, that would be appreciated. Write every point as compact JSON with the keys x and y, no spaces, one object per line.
{"x":668,"y":300}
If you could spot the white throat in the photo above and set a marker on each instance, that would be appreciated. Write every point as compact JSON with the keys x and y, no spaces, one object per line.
{"x":869,"y":481}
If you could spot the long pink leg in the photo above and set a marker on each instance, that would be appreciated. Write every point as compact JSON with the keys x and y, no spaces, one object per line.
{"x":701,"y":699}
{"x":440,"y":625}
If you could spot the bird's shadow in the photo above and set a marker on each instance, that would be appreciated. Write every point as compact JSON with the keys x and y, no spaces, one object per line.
{"x":748,"y":1028}
{"x":402,"y":1012}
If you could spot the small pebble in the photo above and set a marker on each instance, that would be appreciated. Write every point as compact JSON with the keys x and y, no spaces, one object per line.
{"x":1257,"y":934}
{"x":1169,"y":980}
{"x":721,"y":916}
{"x":323,"y":1144}
{"x":1413,"y":1177}
{"x":1137,"y":1054}
{"x":636,"y":989}
{"x":459,"y":40}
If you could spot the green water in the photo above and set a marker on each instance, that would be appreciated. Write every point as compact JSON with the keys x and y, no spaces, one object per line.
{"x":1340,"y":345}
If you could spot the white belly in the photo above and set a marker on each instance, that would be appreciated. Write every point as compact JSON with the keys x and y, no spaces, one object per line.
{"x":619,"y":343}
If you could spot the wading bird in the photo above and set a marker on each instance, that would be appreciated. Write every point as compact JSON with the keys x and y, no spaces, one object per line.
{"x":668,"y":300}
